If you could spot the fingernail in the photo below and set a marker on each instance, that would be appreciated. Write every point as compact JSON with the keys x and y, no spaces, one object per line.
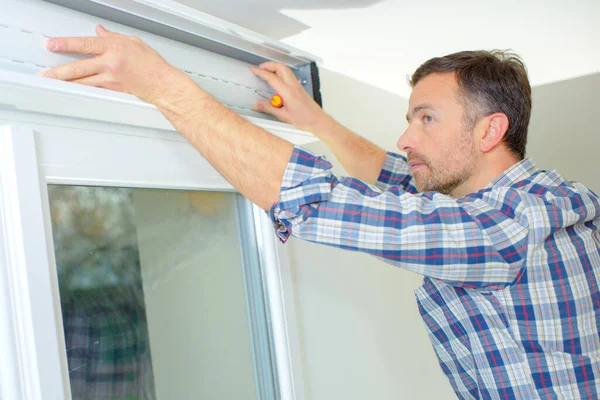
{"x":51,"y":45}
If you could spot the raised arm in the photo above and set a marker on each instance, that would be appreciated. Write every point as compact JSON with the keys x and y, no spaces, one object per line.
{"x":359,"y":157}
{"x":468,"y":242}
{"x":427,"y":233}
{"x":250,"y":158}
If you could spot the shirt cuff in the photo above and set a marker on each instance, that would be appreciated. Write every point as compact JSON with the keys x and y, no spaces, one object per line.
{"x":307,"y":180}
{"x":395,"y":172}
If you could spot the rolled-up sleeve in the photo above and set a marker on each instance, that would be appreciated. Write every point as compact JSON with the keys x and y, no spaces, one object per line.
{"x":465,"y":243}
{"x":307,"y":180}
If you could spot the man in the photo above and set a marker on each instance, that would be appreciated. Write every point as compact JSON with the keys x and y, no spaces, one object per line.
{"x":510,"y":253}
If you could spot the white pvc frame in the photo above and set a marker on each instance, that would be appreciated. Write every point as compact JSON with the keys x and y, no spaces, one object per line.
{"x":50,"y":150}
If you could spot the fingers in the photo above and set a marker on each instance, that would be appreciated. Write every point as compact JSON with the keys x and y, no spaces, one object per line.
{"x":267,"y":108}
{"x":81,"y":45}
{"x":100,"y":81}
{"x":101,"y":31}
{"x":273,"y":80}
{"x":76,"y":70}
{"x":281,"y":70}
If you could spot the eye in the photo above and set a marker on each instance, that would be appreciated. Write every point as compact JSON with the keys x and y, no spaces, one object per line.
{"x":427,"y":119}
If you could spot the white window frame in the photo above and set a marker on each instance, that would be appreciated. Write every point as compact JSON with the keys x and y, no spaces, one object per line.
{"x":37,"y":150}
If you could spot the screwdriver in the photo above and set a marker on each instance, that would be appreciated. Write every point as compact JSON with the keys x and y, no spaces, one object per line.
{"x":276,"y":100}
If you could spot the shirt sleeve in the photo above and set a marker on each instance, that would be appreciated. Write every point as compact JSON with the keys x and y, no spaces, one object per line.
{"x":468,"y":243}
{"x":396,"y":172}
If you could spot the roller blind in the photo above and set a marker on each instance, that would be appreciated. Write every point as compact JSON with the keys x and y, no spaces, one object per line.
{"x":215,"y":54}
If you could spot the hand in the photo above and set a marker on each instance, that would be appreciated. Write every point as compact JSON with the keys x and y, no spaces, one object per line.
{"x":299,"y":109}
{"x":121,"y":63}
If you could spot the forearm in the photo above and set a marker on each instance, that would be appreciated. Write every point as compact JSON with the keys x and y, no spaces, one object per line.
{"x":250,"y":158}
{"x":361,"y":158}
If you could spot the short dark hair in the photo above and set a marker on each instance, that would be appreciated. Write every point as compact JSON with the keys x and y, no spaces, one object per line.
{"x":489,"y":82}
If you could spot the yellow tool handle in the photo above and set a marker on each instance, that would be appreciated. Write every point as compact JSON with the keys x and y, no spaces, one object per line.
{"x":277,"y":101}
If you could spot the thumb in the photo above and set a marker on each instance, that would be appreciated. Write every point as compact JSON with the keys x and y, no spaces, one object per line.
{"x":266,"y":108}
{"x":103,"y":32}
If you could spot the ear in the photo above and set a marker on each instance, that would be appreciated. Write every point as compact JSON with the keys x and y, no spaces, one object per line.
{"x":496,"y":127}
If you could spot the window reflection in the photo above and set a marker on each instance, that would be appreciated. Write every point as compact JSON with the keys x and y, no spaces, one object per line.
{"x":102,"y":299}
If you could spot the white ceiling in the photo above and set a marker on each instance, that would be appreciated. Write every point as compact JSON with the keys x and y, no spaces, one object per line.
{"x":380,"y":42}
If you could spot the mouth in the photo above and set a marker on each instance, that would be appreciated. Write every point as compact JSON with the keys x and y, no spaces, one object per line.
{"x":414,"y":165}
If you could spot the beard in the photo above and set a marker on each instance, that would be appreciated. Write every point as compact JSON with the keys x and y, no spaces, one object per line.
{"x":442,"y":175}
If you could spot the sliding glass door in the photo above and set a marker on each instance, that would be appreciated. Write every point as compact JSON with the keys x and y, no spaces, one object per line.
{"x":135,"y":280}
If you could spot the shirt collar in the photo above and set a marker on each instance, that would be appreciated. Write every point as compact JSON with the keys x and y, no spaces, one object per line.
{"x":516,"y":173}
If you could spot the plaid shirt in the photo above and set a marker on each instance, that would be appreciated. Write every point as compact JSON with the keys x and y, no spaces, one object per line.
{"x":108,"y":350}
{"x":510,"y":296}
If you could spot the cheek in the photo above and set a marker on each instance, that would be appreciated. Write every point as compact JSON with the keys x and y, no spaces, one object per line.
{"x":446,"y":158}
{"x":444,"y":161}
{"x":446,"y":147}
{"x":459,"y":154}
{"x":439,"y":151}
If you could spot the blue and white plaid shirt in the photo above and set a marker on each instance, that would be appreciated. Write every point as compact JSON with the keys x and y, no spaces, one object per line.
{"x":511,"y":296}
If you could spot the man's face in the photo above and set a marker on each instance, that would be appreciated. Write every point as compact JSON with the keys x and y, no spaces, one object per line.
{"x":441,"y":152}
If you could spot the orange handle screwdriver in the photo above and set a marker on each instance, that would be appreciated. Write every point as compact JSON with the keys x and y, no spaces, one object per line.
{"x":277,"y":101}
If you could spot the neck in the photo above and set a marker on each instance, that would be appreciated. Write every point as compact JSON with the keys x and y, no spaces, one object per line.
{"x":488,"y":167}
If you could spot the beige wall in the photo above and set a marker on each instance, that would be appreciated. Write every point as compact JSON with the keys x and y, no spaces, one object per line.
{"x":564,"y":132}
{"x":362,"y":337}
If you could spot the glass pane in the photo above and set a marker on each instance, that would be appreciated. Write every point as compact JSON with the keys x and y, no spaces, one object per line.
{"x":152,"y":293}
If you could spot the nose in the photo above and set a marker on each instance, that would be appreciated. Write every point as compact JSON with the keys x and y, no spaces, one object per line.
{"x":406,"y":141}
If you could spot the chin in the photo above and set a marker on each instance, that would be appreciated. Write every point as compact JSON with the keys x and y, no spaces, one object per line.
{"x":420,"y":183}
{"x":420,"y":187}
